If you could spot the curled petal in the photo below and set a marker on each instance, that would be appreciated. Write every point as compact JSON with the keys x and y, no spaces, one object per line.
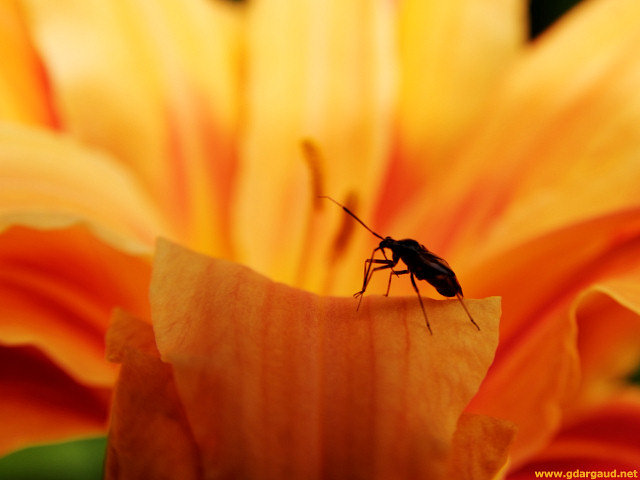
{"x":57,"y":289}
{"x":280,"y":383}
{"x":74,"y":230}
{"x":608,"y":316}
{"x":49,"y":181}
{"x":159,"y":425}
{"x":42,"y":402}
{"x":539,"y":334}
{"x":537,"y":366}
{"x":603,"y":441}
{"x":59,"y":298}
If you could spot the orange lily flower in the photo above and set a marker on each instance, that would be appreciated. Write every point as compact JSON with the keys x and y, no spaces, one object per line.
{"x":126,"y":121}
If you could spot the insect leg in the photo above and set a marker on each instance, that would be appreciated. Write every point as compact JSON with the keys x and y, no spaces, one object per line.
{"x":397,"y":274}
{"x":467,"y":310}
{"x":424,"y":312}
{"x":369,"y":271}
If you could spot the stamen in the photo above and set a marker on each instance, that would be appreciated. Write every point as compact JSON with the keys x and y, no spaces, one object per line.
{"x":314,"y":161}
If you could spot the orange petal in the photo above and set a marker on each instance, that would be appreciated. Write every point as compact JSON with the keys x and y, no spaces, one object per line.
{"x":530,"y":383}
{"x":165,"y":75}
{"x":608,"y":317}
{"x":57,"y":290}
{"x":280,"y":383}
{"x":535,"y":376}
{"x":158,"y":428}
{"x":480,"y":447}
{"x":605,"y":440}
{"x":23,"y":86}
{"x":41,"y":402}
{"x":556,"y":266}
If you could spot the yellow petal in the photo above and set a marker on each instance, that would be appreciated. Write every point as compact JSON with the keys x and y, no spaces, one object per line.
{"x":558,"y":144}
{"x":452,"y":56}
{"x":154,"y":83}
{"x":279,"y":383}
{"x":49,"y":181}
{"x":321,"y":70}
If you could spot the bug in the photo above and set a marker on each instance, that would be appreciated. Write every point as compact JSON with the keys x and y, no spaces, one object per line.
{"x":420,"y":262}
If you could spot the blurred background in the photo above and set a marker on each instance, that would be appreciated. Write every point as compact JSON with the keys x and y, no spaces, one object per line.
{"x":83,"y":459}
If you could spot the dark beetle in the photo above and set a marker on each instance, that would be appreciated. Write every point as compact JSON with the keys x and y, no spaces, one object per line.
{"x":420,"y":262}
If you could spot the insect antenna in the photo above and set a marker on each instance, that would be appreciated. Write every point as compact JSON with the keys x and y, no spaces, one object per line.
{"x":352,"y":214}
{"x":466,"y":310}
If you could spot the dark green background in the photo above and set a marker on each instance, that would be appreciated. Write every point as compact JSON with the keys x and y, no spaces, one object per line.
{"x":543,"y":13}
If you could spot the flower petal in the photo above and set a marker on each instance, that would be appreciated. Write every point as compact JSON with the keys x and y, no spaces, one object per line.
{"x":452,"y":55}
{"x":535,"y":276}
{"x":159,"y":426}
{"x":49,"y":181}
{"x":276,"y":382}
{"x":334,"y":83}
{"x":165,"y":75}
{"x":480,"y":447}
{"x":605,"y":440}
{"x":536,"y":370}
{"x":23,"y":86}
{"x":609,"y":350}
{"x":57,"y":290}
{"x":558,"y":144}
{"x":40,"y":402}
